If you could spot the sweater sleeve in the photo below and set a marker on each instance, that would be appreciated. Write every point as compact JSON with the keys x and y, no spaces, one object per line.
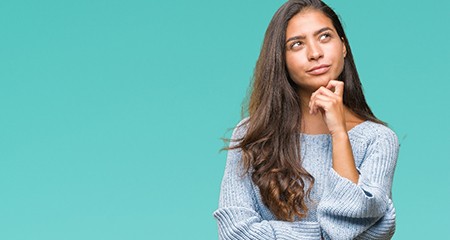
{"x":238,"y":216}
{"x":363,"y":210}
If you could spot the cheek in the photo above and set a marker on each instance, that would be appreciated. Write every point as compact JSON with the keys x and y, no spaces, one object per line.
{"x":294,"y":66}
{"x":340,"y":66}
{"x":339,"y":60}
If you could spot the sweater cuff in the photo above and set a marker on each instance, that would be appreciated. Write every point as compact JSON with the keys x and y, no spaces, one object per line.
{"x":242,"y":223}
{"x":304,"y":230}
{"x":238,"y":221}
{"x":342,"y":197}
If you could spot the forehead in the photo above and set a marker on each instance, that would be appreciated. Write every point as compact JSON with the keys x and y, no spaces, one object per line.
{"x":307,"y":22}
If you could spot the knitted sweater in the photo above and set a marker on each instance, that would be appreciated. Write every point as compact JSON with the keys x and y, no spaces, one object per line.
{"x":339,"y":208}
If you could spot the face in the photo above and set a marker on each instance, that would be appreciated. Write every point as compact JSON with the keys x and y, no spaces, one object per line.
{"x":314,"y":51}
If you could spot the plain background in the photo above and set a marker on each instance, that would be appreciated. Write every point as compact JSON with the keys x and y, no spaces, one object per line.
{"x":112,"y":111}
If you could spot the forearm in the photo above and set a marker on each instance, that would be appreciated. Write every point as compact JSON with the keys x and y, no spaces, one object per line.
{"x":246,"y":224}
{"x":363,"y":210}
{"x":239,"y":216}
{"x":343,"y":161}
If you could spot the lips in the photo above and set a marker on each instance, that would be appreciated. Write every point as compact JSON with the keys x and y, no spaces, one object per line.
{"x":320,"y":69}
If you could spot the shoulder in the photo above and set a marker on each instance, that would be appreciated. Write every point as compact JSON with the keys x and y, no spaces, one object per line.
{"x":240,"y":129}
{"x":374,"y":133}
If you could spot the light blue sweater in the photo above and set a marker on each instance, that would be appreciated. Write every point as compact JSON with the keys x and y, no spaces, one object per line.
{"x":339,"y":209}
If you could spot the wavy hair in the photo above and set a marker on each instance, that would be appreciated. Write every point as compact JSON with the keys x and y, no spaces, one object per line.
{"x":271,"y":145}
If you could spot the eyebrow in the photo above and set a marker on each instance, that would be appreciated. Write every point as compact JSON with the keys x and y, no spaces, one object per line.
{"x":303,"y":37}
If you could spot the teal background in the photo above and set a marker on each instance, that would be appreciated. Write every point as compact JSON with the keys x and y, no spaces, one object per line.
{"x":111,"y":112}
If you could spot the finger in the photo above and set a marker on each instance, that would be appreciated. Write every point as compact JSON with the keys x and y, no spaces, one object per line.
{"x":322,"y":91}
{"x":311,"y":100}
{"x":322,"y":102}
{"x":337,"y":85}
{"x":320,"y":105}
{"x":339,"y":89}
{"x":325,"y":91}
{"x":315,"y":106}
{"x":332,"y":84}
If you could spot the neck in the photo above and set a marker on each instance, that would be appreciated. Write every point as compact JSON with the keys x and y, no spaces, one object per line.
{"x":311,"y":124}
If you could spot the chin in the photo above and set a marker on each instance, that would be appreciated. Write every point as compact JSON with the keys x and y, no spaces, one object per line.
{"x":313,"y":83}
{"x":323,"y":81}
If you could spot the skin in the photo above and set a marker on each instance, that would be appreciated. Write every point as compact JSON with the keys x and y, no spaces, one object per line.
{"x":311,"y":41}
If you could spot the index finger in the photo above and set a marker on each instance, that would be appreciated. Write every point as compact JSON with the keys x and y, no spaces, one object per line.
{"x":337,"y":85}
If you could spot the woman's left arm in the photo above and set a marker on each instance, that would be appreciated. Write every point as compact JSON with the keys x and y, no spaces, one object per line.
{"x":330,"y":104}
{"x":356,"y":202}
{"x":364,"y":210}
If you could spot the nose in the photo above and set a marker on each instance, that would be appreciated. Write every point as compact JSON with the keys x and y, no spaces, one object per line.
{"x":314,"y":51}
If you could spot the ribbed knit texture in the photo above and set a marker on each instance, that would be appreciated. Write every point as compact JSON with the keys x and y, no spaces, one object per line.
{"x":339,"y":208}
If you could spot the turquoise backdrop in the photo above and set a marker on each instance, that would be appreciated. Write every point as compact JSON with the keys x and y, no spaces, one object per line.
{"x":111,"y":112}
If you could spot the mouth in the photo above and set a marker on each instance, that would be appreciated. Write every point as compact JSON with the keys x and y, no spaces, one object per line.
{"x":318,"y":70}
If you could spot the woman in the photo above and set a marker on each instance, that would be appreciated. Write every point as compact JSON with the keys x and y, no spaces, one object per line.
{"x":311,"y":161}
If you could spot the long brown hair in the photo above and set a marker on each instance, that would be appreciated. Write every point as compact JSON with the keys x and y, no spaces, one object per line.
{"x":271,"y":146}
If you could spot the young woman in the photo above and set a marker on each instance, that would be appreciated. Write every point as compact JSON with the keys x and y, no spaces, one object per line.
{"x":311,"y":161}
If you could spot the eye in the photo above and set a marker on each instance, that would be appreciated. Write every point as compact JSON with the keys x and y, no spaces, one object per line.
{"x":296,"y":45}
{"x":325,"y":37}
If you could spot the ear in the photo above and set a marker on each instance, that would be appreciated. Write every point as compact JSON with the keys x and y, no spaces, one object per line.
{"x":344,"y":49}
